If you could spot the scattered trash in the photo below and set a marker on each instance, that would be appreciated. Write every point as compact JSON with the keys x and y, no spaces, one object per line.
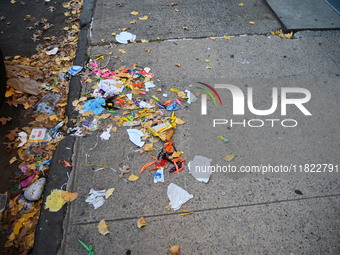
{"x":73,"y":70}
{"x":102,"y":228}
{"x":88,"y":248}
{"x":22,"y":137}
{"x":141,"y":222}
{"x":229,"y":157}
{"x":149,"y":85}
{"x":124,"y":37}
{"x":158,"y":176}
{"x":191,"y":97}
{"x":34,"y":191}
{"x":175,"y":250}
{"x":163,"y":131}
{"x":225,"y":140}
{"x":106,"y":134}
{"x":96,"y":198}
{"x":108,"y":88}
{"x":177,"y":196}
{"x":135,"y":136}
{"x":24,"y":78}
{"x":199,"y":167}
{"x":52,"y":52}
{"x":94,"y":105}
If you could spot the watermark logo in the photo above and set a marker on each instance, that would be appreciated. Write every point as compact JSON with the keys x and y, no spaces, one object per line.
{"x":239,"y":101}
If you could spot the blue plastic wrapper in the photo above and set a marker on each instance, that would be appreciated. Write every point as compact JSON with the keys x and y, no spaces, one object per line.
{"x":74,"y":70}
{"x":172,"y":107}
{"x":95,"y":105}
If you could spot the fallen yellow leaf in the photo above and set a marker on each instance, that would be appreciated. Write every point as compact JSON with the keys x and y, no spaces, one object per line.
{"x":134,"y":13}
{"x":179,"y":121}
{"x":212,"y":37}
{"x":53,"y":117}
{"x":148,"y":50}
{"x":144,"y":18}
{"x":12,"y":160}
{"x":144,"y":40}
{"x":133,"y":178}
{"x":54,"y":201}
{"x":175,"y":250}
{"x":9,"y":92}
{"x":68,"y":196}
{"x":133,"y":21}
{"x":227,"y":37}
{"x":209,"y":67}
{"x":109,"y":193}
{"x":102,"y":228}
{"x":252,"y":22}
{"x":141,"y":222}
{"x":122,"y":51}
{"x":148,"y":147}
{"x":229,"y":157}
{"x":241,"y":4}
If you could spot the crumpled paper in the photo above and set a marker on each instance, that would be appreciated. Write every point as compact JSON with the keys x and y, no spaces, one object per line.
{"x":177,"y":196}
{"x":96,"y":198}
{"x":24,"y":78}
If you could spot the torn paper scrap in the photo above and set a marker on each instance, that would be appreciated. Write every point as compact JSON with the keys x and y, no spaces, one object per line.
{"x":52,"y":52}
{"x":159,"y":175}
{"x":199,"y":167}
{"x":96,"y":198}
{"x":149,"y":85}
{"x":177,"y":196}
{"x":106,"y":134}
{"x":135,"y":136}
{"x":22,"y":137}
{"x":191,"y":97}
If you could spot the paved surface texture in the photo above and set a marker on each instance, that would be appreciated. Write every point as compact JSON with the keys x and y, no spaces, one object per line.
{"x":235,"y":213}
{"x":193,"y":19}
{"x":307,"y":14}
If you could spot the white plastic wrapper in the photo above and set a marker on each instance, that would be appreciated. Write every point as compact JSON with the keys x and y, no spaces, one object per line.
{"x":124,"y":37}
{"x":96,"y":198}
{"x":110,"y":87}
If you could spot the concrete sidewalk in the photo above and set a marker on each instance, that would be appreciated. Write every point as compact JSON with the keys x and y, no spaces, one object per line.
{"x":234,"y":213}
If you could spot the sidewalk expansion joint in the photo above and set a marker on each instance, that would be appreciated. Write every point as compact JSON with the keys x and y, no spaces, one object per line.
{"x":110,"y":43}
{"x":212,"y":209}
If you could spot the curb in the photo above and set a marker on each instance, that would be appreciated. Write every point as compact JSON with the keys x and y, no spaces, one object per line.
{"x":49,"y":231}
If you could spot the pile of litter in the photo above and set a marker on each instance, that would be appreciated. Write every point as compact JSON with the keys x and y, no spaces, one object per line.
{"x":128,"y":97}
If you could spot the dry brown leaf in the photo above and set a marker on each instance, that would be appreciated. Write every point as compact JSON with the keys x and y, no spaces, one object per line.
{"x":141,"y":222}
{"x":12,"y":134}
{"x":4,"y":120}
{"x":122,"y":51}
{"x":102,"y":228}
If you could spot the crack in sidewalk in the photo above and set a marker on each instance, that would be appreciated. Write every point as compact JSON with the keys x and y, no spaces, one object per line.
{"x":213,"y":209}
